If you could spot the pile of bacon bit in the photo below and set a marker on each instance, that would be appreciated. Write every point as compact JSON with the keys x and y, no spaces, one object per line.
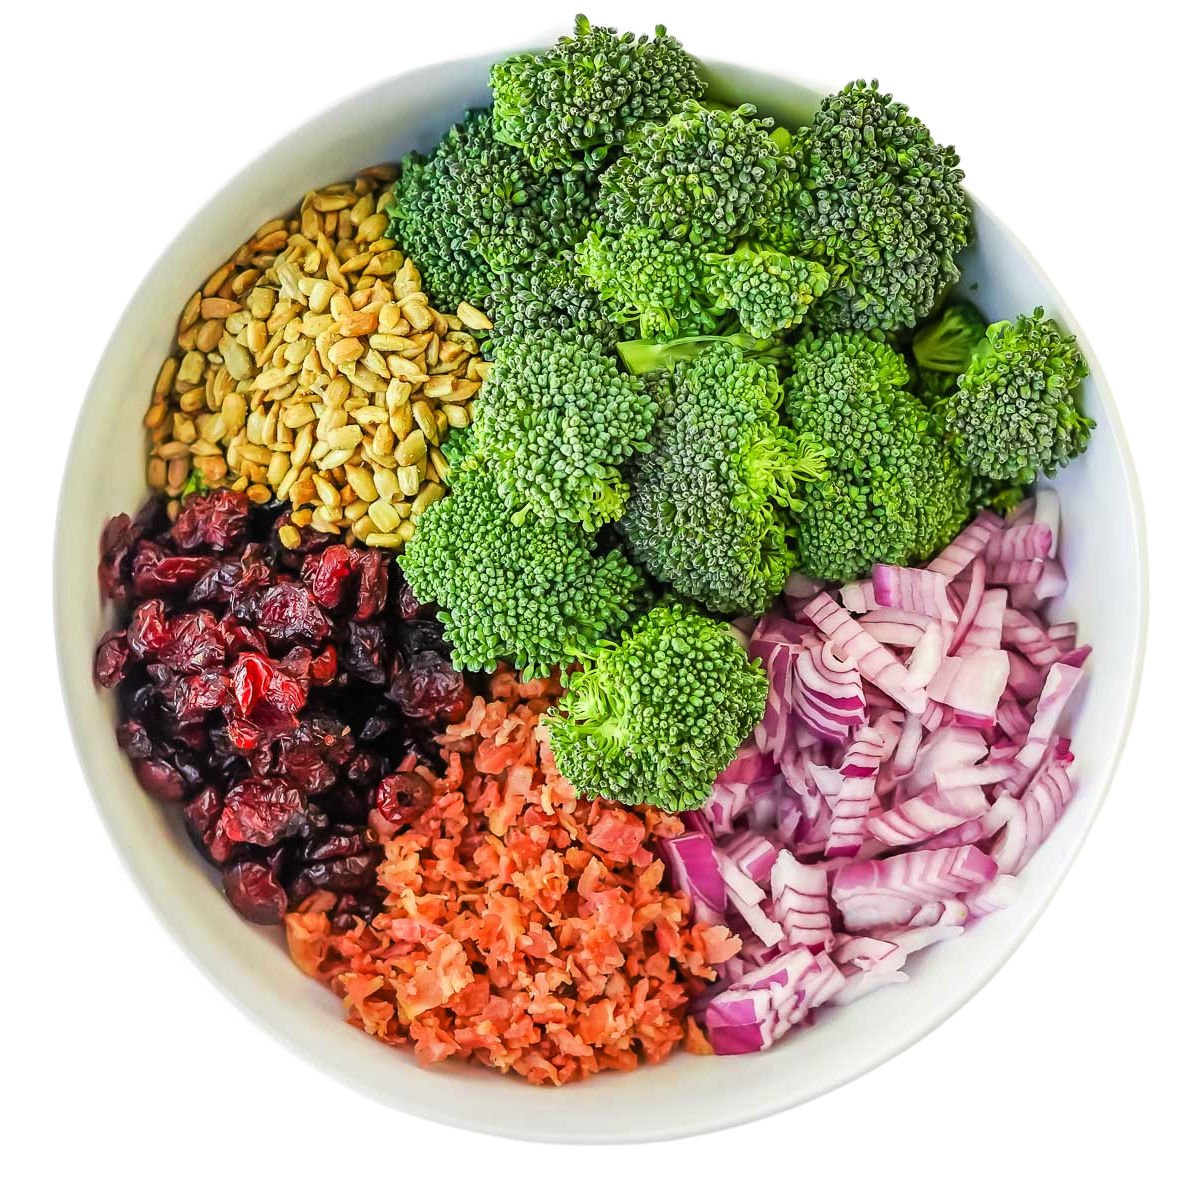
{"x":523,"y":927}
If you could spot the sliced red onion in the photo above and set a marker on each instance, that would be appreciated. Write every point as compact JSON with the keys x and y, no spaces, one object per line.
{"x":912,"y":589}
{"x":1037,"y":812}
{"x":863,"y":983}
{"x":693,"y":862}
{"x":972,"y":686}
{"x":1020,"y":571}
{"x":1061,"y":681}
{"x":1021,"y":543}
{"x":752,"y":853}
{"x":800,"y":902}
{"x":895,"y":628}
{"x":927,"y":656}
{"x":860,"y":769}
{"x":992,"y":897}
{"x":973,"y":833}
{"x":1047,"y":511}
{"x":923,"y":816}
{"x":985,"y":628}
{"x":968,"y":545}
{"x":858,"y":596}
{"x":1023,"y":633}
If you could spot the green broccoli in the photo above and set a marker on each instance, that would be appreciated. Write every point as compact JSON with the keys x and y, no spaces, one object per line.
{"x":475,"y":207}
{"x":1015,"y":412}
{"x":644,"y":277}
{"x":555,"y":423}
{"x":880,"y":198}
{"x":655,"y":717}
{"x":894,"y":492}
{"x":942,"y":348}
{"x":536,"y":595}
{"x":706,"y":511}
{"x":768,"y":290}
{"x":706,"y":176}
{"x":581,"y":97}
{"x":645,"y":356}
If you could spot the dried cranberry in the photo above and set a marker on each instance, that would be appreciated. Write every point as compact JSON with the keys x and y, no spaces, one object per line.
{"x":400,"y":794}
{"x":288,"y":612}
{"x":338,"y":844}
{"x":429,"y":688}
{"x":157,"y":573}
{"x":324,"y":665}
{"x":364,"y":651}
{"x":415,"y":636}
{"x":216,"y":585}
{"x":194,"y":642}
{"x":112,"y":655}
{"x":255,"y":892}
{"x":263,"y":811}
{"x":328,"y":575}
{"x":148,"y":632}
{"x":349,"y":874}
{"x":217,"y":520}
{"x":372,"y":585}
{"x":305,"y":767}
{"x":160,"y":779}
{"x":258,"y":682}
{"x":364,"y":769}
{"x":237,"y":636}
{"x":116,"y":542}
{"x":404,"y":600}
{"x":134,"y":739}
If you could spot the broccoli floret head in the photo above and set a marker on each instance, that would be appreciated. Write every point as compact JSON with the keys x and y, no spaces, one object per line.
{"x":654,"y":718}
{"x":706,"y":176}
{"x":536,"y":595}
{"x":768,"y":290}
{"x":1016,"y":410}
{"x":550,"y":294}
{"x":882,"y":199}
{"x":582,"y":96}
{"x":942,"y":348}
{"x":555,"y":421}
{"x":706,"y":514}
{"x":644,"y":277}
{"x":894,"y":493}
{"x":475,"y":207}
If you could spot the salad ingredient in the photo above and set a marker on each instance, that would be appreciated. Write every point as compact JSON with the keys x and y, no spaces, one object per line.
{"x":882,"y":201}
{"x":556,"y":422}
{"x":550,"y":293}
{"x":707,"y":508}
{"x":894,"y":494}
{"x":475,"y":206}
{"x":311,"y":369}
{"x":269,"y":691}
{"x":522,"y":927}
{"x":535,"y":594}
{"x":1015,"y":413}
{"x":892,"y":792}
{"x":942,"y":349}
{"x":706,"y":176}
{"x":653,"y":718}
{"x":768,"y":291}
{"x":589,"y":92}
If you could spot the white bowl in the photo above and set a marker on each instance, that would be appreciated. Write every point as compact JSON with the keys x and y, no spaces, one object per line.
{"x":1103,"y":549}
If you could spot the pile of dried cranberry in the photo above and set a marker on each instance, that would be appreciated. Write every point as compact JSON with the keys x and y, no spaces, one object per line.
{"x":277,"y":694}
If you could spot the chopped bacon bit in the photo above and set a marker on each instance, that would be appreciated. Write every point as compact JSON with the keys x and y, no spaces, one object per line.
{"x":522,"y":928}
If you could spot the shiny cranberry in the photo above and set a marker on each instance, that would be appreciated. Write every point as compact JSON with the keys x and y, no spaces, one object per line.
{"x":160,"y":779}
{"x":305,"y":767}
{"x":324,"y":665}
{"x":157,"y":573}
{"x":193,"y":642}
{"x":429,"y":688}
{"x":134,"y":739}
{"x":372,"y":585}
{"x":404,"y":602}
{"x":350,"y":874}
{"x":217,"y":521}
{"x":116,"y":544}
{"x":148,"y":632}
{"x":258,"y":682}
{"x":254,"y":891}
{"x":400,"y":794}
{"x":364,"y":651}
{"x":263,"y":811}
{"x":288,"y":612}
{"x":328,"y":575}
{"x":112,"y":655}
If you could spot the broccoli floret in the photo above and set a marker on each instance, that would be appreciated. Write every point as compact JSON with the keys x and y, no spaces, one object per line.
{"x":894,"y":493}
{"x":654,"y":718}
{"x":644,"y":277}
{"x":942,"y":348}
{"x":882,"y":199}
{"x":550,"y":294}
{"x":556,"y":421}
{"x":582,"y":96}
{"x":1016,"y":412}
{"x":476,"y":207}
{"x":706,"y":176}
{"x":706,"y":511}
{"x":644,"y":356}
{"x":768,"y":290}
{"x":536,"y":595}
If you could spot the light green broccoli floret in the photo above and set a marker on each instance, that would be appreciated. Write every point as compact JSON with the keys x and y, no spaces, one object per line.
{"x":582,"y":96}
{"x":942,"y":348}
{"x":882,"y":200}
{"x":768,"y":290}
{"x":654,"y":718}
{"x":706,"y":514}
{"x":536,"y":595}
{"x":642,"y":276}
{"x":556,"y":421}
{"x":646,"y":356}
{"x":1016,"y":410}
{"x":705,"y":176}
{"x":895,"y":493}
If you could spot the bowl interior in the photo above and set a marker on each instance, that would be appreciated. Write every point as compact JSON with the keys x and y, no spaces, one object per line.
{"x":1102,"y":549}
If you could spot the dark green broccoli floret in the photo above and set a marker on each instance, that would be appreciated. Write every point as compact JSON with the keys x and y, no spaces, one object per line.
{"x":882,"y":199}
{"x":942,"y":348}
{"x":894,"y":493}
{"x":768,"y":290}
{"x":583,"y":95}
{"x":706,"y":511}
{"x":645,"y":277}
{"x":475,"y":207}
{"x":1016,"y":412}
{"x":536,"y":595}
{"x":706,"y":176}
{"x":550,"y":294}
{"x":654,"y":718}
{"x":556,"y":421}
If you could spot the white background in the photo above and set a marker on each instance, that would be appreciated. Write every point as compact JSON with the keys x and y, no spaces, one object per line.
{"x":1075,"y":1068}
